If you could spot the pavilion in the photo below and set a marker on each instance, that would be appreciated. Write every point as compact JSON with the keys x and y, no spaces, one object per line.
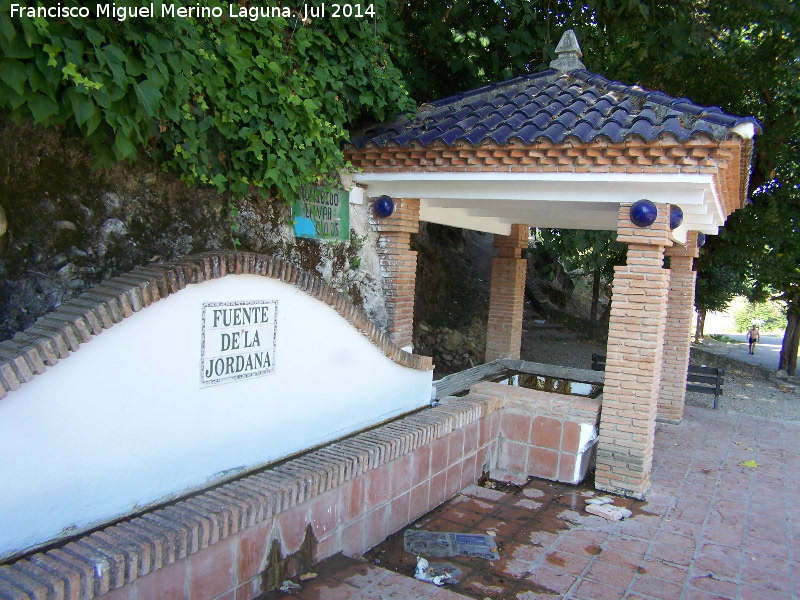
{"x":566,"y":148}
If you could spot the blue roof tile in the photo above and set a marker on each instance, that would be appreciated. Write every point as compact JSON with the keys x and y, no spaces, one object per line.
{"x":502,"y":134}
{"x":612,"y":130}
{"x":567,"y":119}
{"x":451,"y":136}
{"x":592,"y":117}
{"x":555,"y":105}
{"x":584,"y":131}
{"x":517,"y":120}
{"x":477,"y":135}
{"x":468,"y":123}
{"x":493,"y":120}
{"x":542,"y":119}
{"x":642,"y":127}
{"x":556,"y":132}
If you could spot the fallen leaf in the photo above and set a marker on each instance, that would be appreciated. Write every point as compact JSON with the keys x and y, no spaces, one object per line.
{"x":750,"y":463}
{"x":306,"y":576}
{"x":750,"y":450}
{"x":738,"y":443}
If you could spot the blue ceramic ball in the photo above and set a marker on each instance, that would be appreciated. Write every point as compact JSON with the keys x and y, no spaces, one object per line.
{"x":701,"y":239}
{"x":384,"y":207}
{"x":675,"y":216}
{"x":643,"y":213}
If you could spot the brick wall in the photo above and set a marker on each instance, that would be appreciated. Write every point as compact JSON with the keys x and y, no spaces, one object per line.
{"x":507,"y":295}
{"x":542,"y":434}
{"x":399,"y":267}
{"x":344,"y":497}
{"x":634,"y":358}
{"x":678,"y":334}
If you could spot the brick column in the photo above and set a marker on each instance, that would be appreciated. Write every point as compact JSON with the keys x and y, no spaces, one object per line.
{"x":678,"y":336}
{"x":633,"y":358}
{"x":507,"y":295}
{"x":399,"y":267}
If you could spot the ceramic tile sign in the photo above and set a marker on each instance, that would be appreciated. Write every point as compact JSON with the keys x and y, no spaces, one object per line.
{"x":322,"y":213}
{"x":238,"y":340}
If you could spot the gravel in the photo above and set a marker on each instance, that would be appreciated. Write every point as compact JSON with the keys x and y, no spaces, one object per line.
{"x":741,"y":394}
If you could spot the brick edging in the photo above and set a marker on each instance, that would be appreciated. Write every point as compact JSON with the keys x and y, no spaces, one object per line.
{"x":724,"y":159}
{"x":102,"y":561}
{"x":61,"y":331}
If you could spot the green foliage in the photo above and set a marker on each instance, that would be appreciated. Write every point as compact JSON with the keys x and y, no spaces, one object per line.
{"x":772,"y":314}
{"x":720,"y":337}
{"x":716,"y":287}
{"x":231,"y":103}
{"x":233,"y":224}
{"x":584,"y":249}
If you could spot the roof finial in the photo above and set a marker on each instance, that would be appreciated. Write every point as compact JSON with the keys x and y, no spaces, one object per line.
{"x":569,"y":54}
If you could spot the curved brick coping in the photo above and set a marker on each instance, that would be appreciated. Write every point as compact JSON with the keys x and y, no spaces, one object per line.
{"x":96,"y":563}
{"x":75,"y":322}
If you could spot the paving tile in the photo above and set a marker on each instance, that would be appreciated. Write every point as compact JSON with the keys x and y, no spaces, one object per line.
{"x":656,"y":588}
{"x":628,"y":544}
{"x":666,"y":571}
{"x":550,"y":579}
{"x":592,"y":590}
{"x":610,"y":575}
{"x":569,"y":563}
{"x":697,"y":536}
{"x":715,"y":585}
{"x":754,"y":592}
{"x":619,"y":558}
{"x":716,"y":566}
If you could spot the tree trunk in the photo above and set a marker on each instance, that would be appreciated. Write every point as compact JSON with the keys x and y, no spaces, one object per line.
{"x":791,"y":338}
{"x":701,"y":323}
{"x":595,"y":295}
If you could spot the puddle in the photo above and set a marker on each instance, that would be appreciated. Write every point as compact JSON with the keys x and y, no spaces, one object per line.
{"x":559,"y":386}
{"x":525,"y":537}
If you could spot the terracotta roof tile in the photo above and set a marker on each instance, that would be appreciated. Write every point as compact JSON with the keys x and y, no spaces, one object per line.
{"x":555,"y":105}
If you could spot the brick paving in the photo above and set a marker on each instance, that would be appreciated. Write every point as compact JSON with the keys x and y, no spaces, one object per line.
{"x":708,"y":529}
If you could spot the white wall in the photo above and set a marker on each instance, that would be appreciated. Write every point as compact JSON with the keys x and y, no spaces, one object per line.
{"x":124,"y":423}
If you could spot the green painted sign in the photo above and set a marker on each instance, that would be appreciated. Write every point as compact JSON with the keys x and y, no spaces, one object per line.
{"x":322,"y":213}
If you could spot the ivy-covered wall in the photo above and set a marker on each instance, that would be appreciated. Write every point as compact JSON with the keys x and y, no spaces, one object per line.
{"x":242,"y":106}
{"x":71,"y":226}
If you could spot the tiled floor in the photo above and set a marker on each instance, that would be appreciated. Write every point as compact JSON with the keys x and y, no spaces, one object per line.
{"x":708,"y":529}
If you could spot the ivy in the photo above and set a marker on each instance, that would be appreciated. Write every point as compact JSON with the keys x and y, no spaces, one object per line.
{"x":227,"y":102}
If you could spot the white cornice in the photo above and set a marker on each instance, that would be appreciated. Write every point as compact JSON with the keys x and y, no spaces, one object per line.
{"x":487,"y":201}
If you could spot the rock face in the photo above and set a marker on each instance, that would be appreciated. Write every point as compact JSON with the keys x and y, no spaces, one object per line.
{"x":71,"y":226}
{"x":452,"y":350}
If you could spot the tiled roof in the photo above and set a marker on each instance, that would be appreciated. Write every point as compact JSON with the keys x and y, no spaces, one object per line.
{"x":555,"y":105}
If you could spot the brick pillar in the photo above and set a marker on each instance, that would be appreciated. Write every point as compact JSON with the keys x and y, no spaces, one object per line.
{"x":633,"y":358}
{"x":399,"y":267}
{"x":507,"y":296}
{"x":678,"y":336}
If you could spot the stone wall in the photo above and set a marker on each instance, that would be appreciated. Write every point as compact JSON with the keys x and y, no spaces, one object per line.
{"x":71,"y":226}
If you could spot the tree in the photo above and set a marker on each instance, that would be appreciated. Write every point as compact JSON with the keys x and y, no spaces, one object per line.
{"x":237,"y":103}
{"x":596,"y":253}
{"x":717,"y":285}
{"x":768,"y":248}
{"x":740,"y":55}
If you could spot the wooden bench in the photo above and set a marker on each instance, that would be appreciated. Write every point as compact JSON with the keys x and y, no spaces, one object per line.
{"x":705,"y":380}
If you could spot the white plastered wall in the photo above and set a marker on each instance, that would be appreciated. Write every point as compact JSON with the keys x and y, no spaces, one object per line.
{"x":124,"y":423}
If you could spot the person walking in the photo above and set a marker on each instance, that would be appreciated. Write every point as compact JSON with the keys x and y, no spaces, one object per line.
{"x":752,"y":338}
